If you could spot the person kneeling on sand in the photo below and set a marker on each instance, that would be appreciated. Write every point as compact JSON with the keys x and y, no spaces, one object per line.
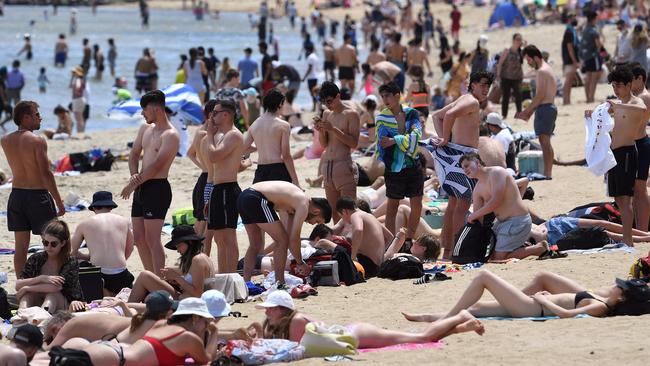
{"x":285,"y":322}
{"x":496,"y":192}
{"x":110,"y":243}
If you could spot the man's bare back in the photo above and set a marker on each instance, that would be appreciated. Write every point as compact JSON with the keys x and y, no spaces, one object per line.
{"x":499,"y":180}
{"x":109,"y":239}
{"x":23,"y":159}
{"x":375,"y":57}
{"x":266,"y":132}
{"x":373,"y":243}
{"x":285,"y":196}
{"x":346,"y":55}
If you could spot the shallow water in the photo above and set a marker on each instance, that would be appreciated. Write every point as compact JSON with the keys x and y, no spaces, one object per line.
{"x":171,"y":33}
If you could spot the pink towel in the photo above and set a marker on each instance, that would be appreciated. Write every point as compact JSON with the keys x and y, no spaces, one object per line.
{"x":403,"y":347}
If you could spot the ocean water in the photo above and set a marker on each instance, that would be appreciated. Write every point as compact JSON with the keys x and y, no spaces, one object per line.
{"x":171,"y":33}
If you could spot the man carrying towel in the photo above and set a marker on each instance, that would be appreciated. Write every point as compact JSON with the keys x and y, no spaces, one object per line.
{"x":458,"y":121}
{"x":110,"y":243}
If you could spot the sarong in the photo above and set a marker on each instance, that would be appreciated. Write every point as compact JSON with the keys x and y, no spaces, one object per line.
{"x":452,"y":178}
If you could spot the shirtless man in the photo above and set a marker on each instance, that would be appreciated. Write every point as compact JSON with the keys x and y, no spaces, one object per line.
{"x":110,"y":243}
{"x":152,"y":194}
{"x":339,"y":135}
{"x":542,"y":104}
{"x":396,"y":53}
{"x":257,"y":206}
{"x":385,"y":71}
{"x":346,"y":61}
{"x":496,"y":192}
{"x":375,"y":55}
{"x":416,"y":55}
{"x":86,"y":55}
{"x":271,"y":136}
{"x":641,"y":201}
{"x":369,"y":238}
{"x":60,"y":51}
{"x":628,"y":113}
{"x":225,"y":145}
{"x":31,"y":203}
{"x":460,"y":120}
{"x":145,"y":71}
{"x":329,"y":60}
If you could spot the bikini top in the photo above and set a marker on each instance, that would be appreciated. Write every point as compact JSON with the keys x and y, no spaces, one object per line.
{"x":164,"y":355}
{"x":582,"y":295}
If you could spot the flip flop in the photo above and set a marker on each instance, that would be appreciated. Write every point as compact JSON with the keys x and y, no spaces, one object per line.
{"x":552,"y":254}
{"x":428,"y":277}
{"x":299,"y":293}
{"x":310,"y":290}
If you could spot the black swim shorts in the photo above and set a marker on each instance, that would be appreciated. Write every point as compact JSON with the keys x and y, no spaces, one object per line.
{"x":409,"y":182}
{"x":592,"y":65}
{"x":545,"y":116}
{"x":346,"y":73}
{"x":151,"y":199}
{"x":364,"y":179}
{"x":370,"y":268}
{"x":620,"y":179}
{"x":197,"y":197}
{"x":254,"y":208}
{"x":116,"y":282}
{"x":222,"y":207}
{"x":267,"y":172}
{"x":643,"y":158}
{"x":29,"y":209}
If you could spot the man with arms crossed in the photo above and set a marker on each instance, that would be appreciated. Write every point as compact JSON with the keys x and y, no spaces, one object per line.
{"x":460,"y":122}
{"x":30,"y":203}
{"x":542,"y":105}
{"x":225,"y":145}
{"x":339,"y":134}
{"x":496,"y":192}
{"x":257,"y":206}
{"x":641,"y":201}
{"x":152,"y":194}
{"x":110,"y":243}
{"x":346,"y":60}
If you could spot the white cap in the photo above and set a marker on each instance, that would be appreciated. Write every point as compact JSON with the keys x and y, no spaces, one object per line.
{"x":482,"y":39}
{"x":371,"y":97}
{"x":216,"y":302}
{"x":193,"y":306}
{"x":277,"y":298}
{"x":495,"y":119}
{"x":276,"y":64}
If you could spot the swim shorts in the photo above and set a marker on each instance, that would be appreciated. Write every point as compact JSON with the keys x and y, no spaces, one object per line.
{"x":451,"y":176}
{"x":116,"y":282}
{"x":341,"y":175}
{"x":254,"y":208}
{"x":151,"y":199}
{"x":364,"y":179}
{"x":29,"y":209}
{"x":267,"y":172}
{"x":207,"y":192}
{"x":59,"y":58}
{"x":370,"y":268}
{"x":197,"y":197}
{"x":328,"y":65}
{"x":512,"y":233}
{"x":545,"y":116}
{"x":346,"y":73}
{"x":222,"y":208}
{"x":620,"y":179}
{"x":592,"y":65}
{"x":409,"y":182}
{"x":643,"y":158}
{"x":557,"y":227}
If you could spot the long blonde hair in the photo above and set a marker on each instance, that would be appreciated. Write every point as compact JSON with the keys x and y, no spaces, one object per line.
{"x":281,"y":330}
{"x":639,"y":37}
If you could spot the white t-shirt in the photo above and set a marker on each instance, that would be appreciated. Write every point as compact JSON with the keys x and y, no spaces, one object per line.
{"x":312,"y":60}
{"x":505,"y":138}
{"x":599,"y":157}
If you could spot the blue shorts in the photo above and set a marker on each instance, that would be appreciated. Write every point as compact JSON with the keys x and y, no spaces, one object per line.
{"x":545,"y":117}
{"x":643,"y":158}
{"x":558,"y":226}
{"x":60,"y":57}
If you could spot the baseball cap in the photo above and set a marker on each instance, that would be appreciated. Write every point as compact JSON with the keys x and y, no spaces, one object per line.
{"x":495,"y":119}
{"x":160,"y":301}
{"x":277,"y":298}
{"x":216,"y":302}
{"x":634,"y":289}
{"x":29,"y":334}
{"x":193,"y":306}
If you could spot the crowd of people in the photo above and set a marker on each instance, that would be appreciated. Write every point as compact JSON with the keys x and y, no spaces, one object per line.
{"x":418,"y":142}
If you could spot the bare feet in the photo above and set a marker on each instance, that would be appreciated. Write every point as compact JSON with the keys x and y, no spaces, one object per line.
{"x":471,"y":324}
{"x":428,"y":318}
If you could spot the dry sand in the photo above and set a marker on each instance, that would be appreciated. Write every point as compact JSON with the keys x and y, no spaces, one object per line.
{"x":572,"y":341}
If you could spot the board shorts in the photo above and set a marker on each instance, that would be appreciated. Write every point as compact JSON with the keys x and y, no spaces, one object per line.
{"x":115,"y":282}
{"x":60,"y":57}
{"x":340,"y":175}
{"x":328,"y":65}
{"x":643,"y":158}
{"x":207,"y":192}
{"x":512,"y":233}
{"x":451,"y":176}
{"x":409,"y":182}
{"x":592,"y":65}
{"x":370,"y":268}
{"x":620,"y":179}
{"x":275,"y":171}
{"x":151,"y":199}
{"x":545,"y":116}
{"x":197,"y":197}
{"x":29,"y":209}
{"x":222,"y":208}
{"x":254,"y":208}
{"x":346,"y":73}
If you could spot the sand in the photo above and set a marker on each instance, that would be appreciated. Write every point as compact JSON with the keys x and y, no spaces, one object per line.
{"x":572,"y":341}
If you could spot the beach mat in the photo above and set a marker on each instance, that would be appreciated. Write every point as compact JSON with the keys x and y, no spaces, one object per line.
{"x":609,"y":248}
{"x":404,"y":347}
{"x":532,"y":318}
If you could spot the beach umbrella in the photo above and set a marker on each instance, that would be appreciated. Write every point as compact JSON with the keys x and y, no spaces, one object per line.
{"x":180,"y":98}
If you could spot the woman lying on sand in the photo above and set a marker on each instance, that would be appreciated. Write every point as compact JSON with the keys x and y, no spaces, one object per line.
{"x":553,"y":229}
{"x":285,"y":322}
{"x":552,"y":295}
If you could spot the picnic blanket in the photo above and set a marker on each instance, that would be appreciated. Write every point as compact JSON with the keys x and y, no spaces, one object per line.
{"x":403,"y":347}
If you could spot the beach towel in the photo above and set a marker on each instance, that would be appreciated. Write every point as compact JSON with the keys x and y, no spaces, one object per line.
{"x":533,"y":318}
{"x":265,"y":351}
{"x":610,"y":248}
{"x":403,"y":153}
{"x":598,"y":154}
{"x":442,"y":267}
{"x":451,"y":176}
{"x":404,"y":347}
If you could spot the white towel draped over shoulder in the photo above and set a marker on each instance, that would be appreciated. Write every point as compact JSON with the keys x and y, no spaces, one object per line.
{"x":598,"y":154}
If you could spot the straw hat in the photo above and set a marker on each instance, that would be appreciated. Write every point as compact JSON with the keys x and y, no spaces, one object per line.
{"x":78,"y":70}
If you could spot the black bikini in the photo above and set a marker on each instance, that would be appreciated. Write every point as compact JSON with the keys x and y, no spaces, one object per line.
{"x":582,"y":295}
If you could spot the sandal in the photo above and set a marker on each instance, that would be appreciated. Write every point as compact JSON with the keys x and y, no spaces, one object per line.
{"x":428,"y":277}
{"x":552,"y":254}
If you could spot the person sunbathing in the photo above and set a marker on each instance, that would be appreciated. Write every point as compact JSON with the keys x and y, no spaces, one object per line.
{"x":186,"y":280}
{"x":513,"y":302}
{"x":285,"y":322}
{"x":556,"y":227}
{"x":424,"y":248}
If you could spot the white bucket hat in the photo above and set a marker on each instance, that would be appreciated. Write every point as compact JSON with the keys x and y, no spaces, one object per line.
{"x":277,"y":298}
{"x":495,"y":119}
{"x":216,"y":303}
{"x":193,"y":306}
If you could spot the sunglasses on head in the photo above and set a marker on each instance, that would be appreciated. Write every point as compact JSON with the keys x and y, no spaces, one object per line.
{"x":52,"y":243}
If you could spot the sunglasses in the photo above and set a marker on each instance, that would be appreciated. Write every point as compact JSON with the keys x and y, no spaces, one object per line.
{"x":52,"y":243}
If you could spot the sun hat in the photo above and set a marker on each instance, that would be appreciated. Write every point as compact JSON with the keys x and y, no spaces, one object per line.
{"x":29,"y":334}
{"x":277,"y":298}
{"x":495,"y":119}
{"x":193,"y":306}
{"x":180,"y":234}
{"x":216,"y":302}
{"x":251,"y":91}
{"x":160,"y":301}
{"x":483,"y":39}
{"x":634,"y":289}
{"x":78,"y":70}
{"x":102,"y":199}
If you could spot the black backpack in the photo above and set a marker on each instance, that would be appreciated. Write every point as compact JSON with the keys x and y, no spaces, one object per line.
{"x":104,"y":162}
{"x":583,"y":238}
{"x":5,"y":310}
{"x":401,"y":267}
{"x":474,"y":243}
{"x":60,"y":356}
{"x":80,"y":162}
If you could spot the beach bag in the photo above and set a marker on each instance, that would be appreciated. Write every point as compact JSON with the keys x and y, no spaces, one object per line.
{"x":474,"y":243}
{"x":583,"y":238}
{"x":320,"y":341}
{"x":183,"y":216}
{"x":104,"y":162}
{"x":401,"y":267}
{"x":80,"y":162}
{"x":60,"y":356}
{"x":641,"y":268}
{"x":348,"y":272}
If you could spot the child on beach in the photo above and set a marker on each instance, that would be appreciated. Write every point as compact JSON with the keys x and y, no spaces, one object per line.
{"x":42,"y":81}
